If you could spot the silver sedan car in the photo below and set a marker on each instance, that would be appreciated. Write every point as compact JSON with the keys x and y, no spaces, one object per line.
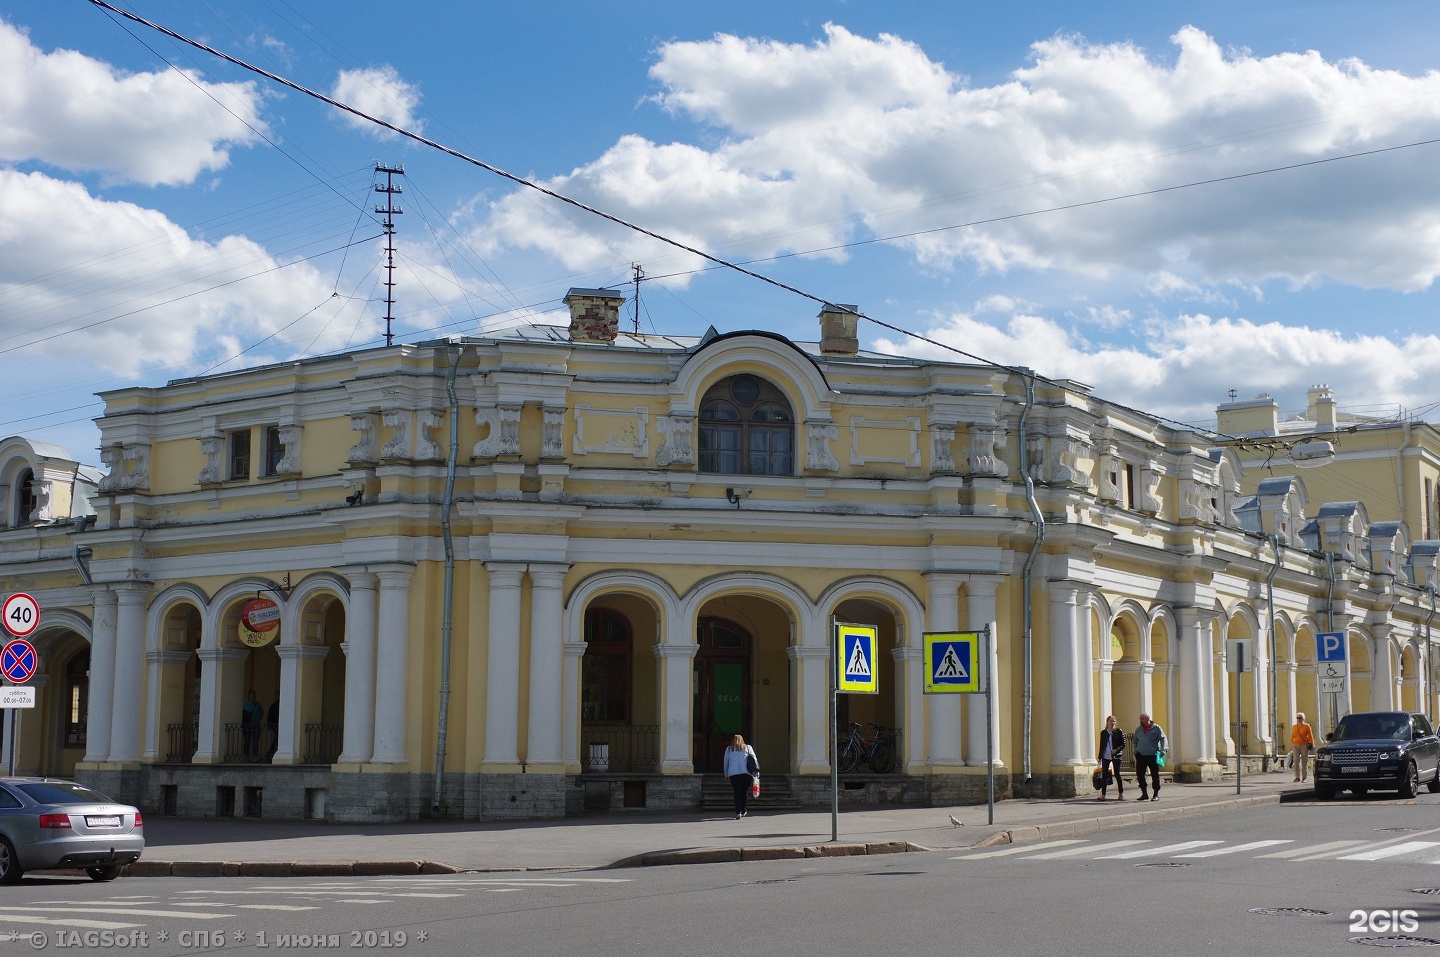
{"x":50,"y":823}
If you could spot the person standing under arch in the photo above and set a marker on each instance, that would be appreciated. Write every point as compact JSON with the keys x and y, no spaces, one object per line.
{"x":741,"y":768}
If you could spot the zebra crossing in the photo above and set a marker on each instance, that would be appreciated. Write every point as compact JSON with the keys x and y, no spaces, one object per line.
{"x":1281,"y":849}
{"x":208,"y":903}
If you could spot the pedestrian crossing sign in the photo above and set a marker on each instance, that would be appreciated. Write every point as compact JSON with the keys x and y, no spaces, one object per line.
{"x":952,"y":663}
{"x":855,"y":647}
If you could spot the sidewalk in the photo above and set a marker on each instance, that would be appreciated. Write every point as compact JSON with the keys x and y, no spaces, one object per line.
{"x":235,"y":847}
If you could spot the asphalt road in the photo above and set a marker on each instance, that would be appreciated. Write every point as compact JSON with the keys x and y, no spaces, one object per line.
{"x":1330,"y":873}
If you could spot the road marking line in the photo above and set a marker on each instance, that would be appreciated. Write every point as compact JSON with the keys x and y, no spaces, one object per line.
{"x":92,"y":909}
{"x":1394,"y":850}
{"x":1018,"y":849}
{"x":1078,"y":851}
{"x":393,"y":894}
{"x":284,"y":907}
{"x":1153,"y":851}
{"x":66,"y":922}
{"x":1317,"y":850}
{"x":1219,"y":851}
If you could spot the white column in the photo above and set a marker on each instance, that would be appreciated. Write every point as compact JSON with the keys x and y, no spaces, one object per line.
{"x":102,"y":676}
{"x":502,"y":681}
{"x":220,"y":690}
{"x":129,"y":673}
{"x":810,"y":689}
{"x":910,"y":661}
{"x":943,"y":710}
{"x":676,"y":663}
{"x":1229,"y":735}
{"x":359,"y":648}
{"x":1070,"y":680}
{"x":547,"y":638}
{"x":157,"y":739}
{"x":570,"y":695}
{"x":1193,"y":740}
{"x":980,"y":614}
{"x":1382,"y":673}
{"x":392,"y":659}
{"x":289,"y":748}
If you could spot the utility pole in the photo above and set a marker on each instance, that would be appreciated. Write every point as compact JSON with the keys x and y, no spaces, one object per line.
{"x":389,"y":211}
{"x":638,"y":273}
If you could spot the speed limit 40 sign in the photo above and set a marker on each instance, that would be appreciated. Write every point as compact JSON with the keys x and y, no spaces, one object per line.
{"x":21,"y":615}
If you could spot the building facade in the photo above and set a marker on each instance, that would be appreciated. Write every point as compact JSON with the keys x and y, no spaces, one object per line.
{"x":556,"y":568}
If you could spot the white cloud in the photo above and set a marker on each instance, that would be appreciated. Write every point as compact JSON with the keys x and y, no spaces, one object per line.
{"x":851,"y":136}
{"x":381,"y":93}
{"x":151,"y":295}
{"x":79,"y":114}
{"x":1186,"y":366}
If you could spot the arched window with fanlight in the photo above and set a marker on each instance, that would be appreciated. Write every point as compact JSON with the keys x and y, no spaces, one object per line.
{"x":746,"y":428}
{"x":605,"y":668}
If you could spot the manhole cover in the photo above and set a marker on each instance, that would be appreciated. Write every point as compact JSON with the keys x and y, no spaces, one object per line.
{"x":894,"y":873}
{"x":778,"y":880}
{"x":1289,"y":912}
{"x":1397,"y":829}
{"x":1165,"y":864}
{"x":1396,"y":940}
{"x":1433,"y":891}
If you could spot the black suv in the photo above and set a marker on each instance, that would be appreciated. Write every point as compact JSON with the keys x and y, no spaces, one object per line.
{"x":1378,"y":749}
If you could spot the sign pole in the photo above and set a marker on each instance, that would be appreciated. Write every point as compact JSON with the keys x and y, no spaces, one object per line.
{"x":11,"y":742}
{"x":989,"y":733}
{"x":834,"y":734}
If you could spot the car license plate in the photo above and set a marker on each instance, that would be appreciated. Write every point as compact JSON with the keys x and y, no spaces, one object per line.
{"x":1360,"y":770}
{"x":102,"y":820}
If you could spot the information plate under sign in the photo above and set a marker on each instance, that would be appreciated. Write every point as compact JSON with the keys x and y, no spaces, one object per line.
{"x":952,"y":662}
{"x":1332,"y":685}
{"x":17,"y":696}
{"x":856,"y":646}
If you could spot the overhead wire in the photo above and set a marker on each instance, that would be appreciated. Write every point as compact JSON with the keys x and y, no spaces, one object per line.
{"x":718,"y":262}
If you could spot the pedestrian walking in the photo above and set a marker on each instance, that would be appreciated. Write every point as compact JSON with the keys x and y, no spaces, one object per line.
{"x":1302,"y":742}
{"x":1112,"y":747}
{"x":250,"y":717}
{"x":743,"y":770}
{"x":1148,"y":743}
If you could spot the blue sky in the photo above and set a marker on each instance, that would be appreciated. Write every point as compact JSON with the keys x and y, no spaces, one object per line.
{"x":161,"y":224}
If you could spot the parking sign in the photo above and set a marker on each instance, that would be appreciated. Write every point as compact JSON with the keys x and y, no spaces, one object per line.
{"x":1330,"y":646}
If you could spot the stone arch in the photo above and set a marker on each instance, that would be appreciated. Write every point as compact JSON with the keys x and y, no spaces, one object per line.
{"x":305,"y":724}
{"x":174,"y":631}
{"x":49,"y":741}
{"x":772,"y":357}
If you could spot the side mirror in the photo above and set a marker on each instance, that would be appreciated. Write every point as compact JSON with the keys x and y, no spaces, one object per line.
{"x":1329,"y":735}
{"x":1417,"y":735}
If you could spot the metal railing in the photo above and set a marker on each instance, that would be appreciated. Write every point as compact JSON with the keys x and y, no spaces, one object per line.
{"x":323,"y":743}
{"x":631,"y":748}
{"x":180,"y":742}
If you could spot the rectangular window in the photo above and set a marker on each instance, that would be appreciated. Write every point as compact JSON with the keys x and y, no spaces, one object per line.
{"x":1129,"y":501}
{"x":1429,"y":509}
{"x":238,"y":449}
{"x":274,"y":450}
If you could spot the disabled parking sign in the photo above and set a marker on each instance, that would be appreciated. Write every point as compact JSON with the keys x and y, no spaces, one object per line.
{"x":952,"y":662}
{"x":855,"y":647}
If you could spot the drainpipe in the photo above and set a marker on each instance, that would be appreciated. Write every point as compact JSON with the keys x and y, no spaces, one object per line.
{"x":446,"y":504}
{"x":1025,"y":576}
{"x":1274,"y":665}
{"x":1429,"y":670}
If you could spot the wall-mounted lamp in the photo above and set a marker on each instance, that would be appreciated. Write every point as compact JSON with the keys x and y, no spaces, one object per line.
{"x":1312,"y":454}
{"x":355,"y":498}
{"x":736,"y":496}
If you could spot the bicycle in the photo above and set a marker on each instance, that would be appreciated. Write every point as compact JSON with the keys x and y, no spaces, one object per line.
{"x":878,"y":751}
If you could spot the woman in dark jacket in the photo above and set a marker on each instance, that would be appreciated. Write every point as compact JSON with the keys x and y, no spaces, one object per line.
{"x":1112,"y":746}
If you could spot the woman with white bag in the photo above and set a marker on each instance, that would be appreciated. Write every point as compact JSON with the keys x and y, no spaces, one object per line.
{"x":743,"y":770}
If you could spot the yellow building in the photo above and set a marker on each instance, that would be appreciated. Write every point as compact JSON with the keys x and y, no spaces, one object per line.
{"x":554,"y":568}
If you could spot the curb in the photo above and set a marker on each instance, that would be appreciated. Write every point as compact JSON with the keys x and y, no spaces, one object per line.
{"x":1028,"y":834}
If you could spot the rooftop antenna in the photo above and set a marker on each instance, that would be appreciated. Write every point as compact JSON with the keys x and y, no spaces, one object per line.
{"x":389,"y":211}
{"x":638,"y":273}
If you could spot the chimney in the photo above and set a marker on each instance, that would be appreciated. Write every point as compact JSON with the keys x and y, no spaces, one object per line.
{"x":838,"y":323}
{"x":1321,"y":410}
{"x":594,"y":314}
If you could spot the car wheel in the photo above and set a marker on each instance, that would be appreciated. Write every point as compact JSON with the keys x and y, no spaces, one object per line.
{"x":1323,"y":792}
{"x":1359,"y":792}
{"x":1433,"y":786}
{"x":1410,"y":783}
{"x":9,"y":864}
{"x":107,"y":872}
